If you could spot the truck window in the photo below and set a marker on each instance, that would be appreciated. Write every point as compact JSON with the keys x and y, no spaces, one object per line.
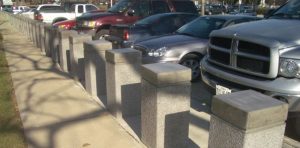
{"x":51,"y":9}
{"x":80,"y":9}
{"x":90,"y":8}
{"x":141,"y":8}
{"x":121,"y":6}
{"x":159,"y":7}
{"x":185,"y":6}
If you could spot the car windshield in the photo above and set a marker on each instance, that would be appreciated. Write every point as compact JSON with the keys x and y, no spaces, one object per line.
{"x":201,"y":27}
{"x":120,"y":7}
{"x":290,"y":10}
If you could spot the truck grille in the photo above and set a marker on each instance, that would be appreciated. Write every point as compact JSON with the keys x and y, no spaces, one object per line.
{"x":240,"y":55}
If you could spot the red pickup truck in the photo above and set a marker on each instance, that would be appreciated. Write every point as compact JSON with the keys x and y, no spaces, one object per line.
{"x":128,"y":12}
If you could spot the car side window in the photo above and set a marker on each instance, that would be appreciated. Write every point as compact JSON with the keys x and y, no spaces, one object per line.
{"x":166,"y":25}
{"x":159,"y":7}
{"x":80,"y":9}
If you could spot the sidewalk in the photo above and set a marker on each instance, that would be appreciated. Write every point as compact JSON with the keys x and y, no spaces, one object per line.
{"x":55,"y":111}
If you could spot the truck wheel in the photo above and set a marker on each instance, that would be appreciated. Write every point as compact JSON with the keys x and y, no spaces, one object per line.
{"x":101,"y":34}
{"x":192,"y":61}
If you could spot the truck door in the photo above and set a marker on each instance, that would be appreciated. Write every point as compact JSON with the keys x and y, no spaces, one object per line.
{"x":79,"y":10}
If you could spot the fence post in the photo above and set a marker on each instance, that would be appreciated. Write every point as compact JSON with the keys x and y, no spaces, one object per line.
{"x":165,"y":105}
{"x":247,"y":119}
{"x":64,"y":49}
{"x":123,"y":82}
{"x":48,"y":39}
{"x":77,"y":55}
{"x":94,"y":61}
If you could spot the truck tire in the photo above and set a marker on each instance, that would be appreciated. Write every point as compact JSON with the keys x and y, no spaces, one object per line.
{"x":192,"y":61}
{"x":101,"y":34}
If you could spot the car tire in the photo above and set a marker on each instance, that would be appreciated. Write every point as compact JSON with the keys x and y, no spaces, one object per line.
{"x":101,"y":34}
{"x":192,"y":61}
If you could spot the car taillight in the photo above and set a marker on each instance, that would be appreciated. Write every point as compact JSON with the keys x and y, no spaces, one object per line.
{"x":125,"y":35}
{"x":38,"y":17}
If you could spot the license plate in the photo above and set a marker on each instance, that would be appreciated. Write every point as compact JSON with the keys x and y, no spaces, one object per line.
{"x":221,"y":90}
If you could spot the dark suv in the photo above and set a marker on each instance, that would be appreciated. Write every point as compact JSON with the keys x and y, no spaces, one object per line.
{"x":128,"y":12}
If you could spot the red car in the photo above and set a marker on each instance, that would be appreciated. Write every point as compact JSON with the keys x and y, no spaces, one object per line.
{"x":69,"y":24}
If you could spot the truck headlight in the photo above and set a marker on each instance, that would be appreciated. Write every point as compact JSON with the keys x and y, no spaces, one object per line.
{"x":289,"y":68}
{"x":158,"y":52}
{"x":90,"y":23}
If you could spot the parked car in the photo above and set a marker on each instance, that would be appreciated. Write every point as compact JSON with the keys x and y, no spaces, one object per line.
{"x":123,"y":36}
{"x":67,"y":24}
{"x":29,"y":13}
{"x":18,"y":9}
{"x":70,"y":24}
{"x":128,"y":12}
{"x":188,"y":45}
{"x":213,"y":9}
{"x":262,"y":55}
{"x":7,"y":8}
{"x":249,"y":12}
{"x":55,"y":13}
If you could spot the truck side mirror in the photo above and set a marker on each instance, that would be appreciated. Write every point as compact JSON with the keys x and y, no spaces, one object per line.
{"x":130,"y":12}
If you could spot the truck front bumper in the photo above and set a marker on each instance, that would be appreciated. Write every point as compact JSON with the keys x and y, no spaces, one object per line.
{"x":280,"y":88}
{"x":89,"y":31}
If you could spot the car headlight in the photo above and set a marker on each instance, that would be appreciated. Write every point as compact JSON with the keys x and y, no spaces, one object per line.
{"x":289,"y":68}
{"x":158,"y":52}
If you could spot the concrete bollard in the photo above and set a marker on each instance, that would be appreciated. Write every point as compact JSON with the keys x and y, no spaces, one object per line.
{"x":165,"y":105}
{"x":123,"y":82}
{"x":94,"y":61}
{"x":38,"y":34}
{"x":77,"y":55}
{"x":64,"y":49}
{"x":41,"y":37}
{"x":247,"y":119}
{"x":48,"y":39}
{"x":54,"y":44}
{"x":37,"y":30}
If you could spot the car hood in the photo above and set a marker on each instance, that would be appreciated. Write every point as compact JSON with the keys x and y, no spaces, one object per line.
{"x":273,"y":33}
{"x":93,"y":16}
{"x":172,"y":41}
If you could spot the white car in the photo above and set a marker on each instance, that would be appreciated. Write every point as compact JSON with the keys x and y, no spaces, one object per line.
{"x":18,"y":9}
{"x":28,"y":13}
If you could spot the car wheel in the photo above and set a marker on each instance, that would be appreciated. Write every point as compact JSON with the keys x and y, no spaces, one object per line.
{"x":101,"y":34}
{"x":192,"y":61}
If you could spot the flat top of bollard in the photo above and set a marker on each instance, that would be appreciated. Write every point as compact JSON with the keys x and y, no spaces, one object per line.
{"x":79,"y":38}
{"x":97,"y":45}
{"x":124,"y":55}
{"x":165,"y":74}
{"x":249,"y":109}
{"x":67,"y":33}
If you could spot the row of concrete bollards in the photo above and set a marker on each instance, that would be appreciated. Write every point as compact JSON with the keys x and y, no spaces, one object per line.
{"x":159,"y":93}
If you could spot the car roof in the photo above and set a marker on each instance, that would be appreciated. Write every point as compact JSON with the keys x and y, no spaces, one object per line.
{"x":231,"y":17}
